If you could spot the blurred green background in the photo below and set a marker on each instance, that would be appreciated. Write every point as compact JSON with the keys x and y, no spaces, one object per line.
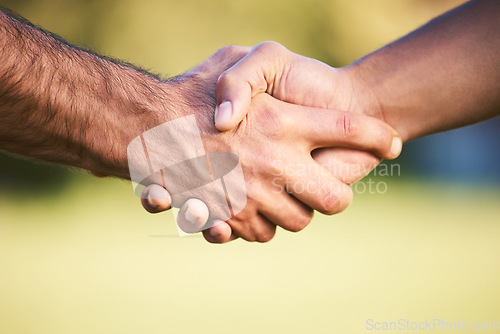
{"x":79,"y":255}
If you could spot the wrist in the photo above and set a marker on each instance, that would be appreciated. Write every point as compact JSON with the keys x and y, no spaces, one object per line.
{"x":143,"y":103}
{"x":362,"y":93}
{"x":382,"y":91}
{"x":139,"y":104}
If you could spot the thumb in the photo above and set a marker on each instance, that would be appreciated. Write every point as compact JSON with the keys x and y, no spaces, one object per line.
{"x":247,"y":78}
{"x":234,"y":93}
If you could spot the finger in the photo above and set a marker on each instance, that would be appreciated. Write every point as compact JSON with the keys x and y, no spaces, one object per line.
{"x":252,"y":227}
{"x":328,"y":128}
{"x":155,"y":198}
{"x":284,"y":210}
{"x":349,"y":166}
{"x":219,"y":233}
{"x":253,"y":74}
{"x":314,"y":186}
{"x":192,"y":216}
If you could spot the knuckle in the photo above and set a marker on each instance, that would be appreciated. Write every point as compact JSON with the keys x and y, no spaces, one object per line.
{"x":278,"y":124}
{"x":283,"y":123}
{"x":347,"y":125}
{"x":270,"y":46}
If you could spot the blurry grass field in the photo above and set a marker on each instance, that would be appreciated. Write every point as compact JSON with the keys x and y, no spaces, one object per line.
{"x":89,"y":260}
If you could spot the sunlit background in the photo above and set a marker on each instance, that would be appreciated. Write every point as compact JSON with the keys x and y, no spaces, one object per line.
{"x":79,"y":255}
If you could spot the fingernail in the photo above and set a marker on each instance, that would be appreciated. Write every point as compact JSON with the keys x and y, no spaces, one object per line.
{"x":196,"y":212}
{"x":151,"y":201}
{"x":156,"y":194}
{"x":223,"y":112}
{"x":190,"y":217}
{"x":397,"y":145}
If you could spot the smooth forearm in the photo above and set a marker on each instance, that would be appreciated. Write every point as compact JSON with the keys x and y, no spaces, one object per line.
{"x":62,"y":104}
{"x":442,"y":76}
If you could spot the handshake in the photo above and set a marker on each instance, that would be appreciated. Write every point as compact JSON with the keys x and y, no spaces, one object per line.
{"x":250,"y":139}
{"x":288,"y":136}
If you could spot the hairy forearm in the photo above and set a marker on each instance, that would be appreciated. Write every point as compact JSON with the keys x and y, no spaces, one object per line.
{"x":442,"y":76}
{"x":62,"y":104}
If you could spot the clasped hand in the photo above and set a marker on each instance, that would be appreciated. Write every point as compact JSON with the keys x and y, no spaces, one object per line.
{"x":288,"y":118}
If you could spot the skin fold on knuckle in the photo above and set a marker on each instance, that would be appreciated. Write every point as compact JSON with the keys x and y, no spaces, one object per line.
{"x":347,"y":125}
